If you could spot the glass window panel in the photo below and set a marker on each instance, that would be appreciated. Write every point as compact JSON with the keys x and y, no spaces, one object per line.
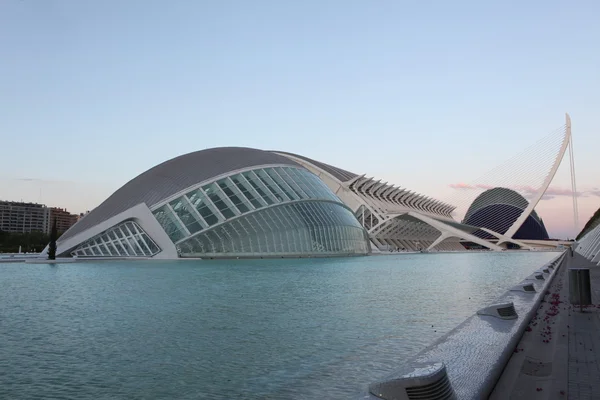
{"x":195,"y":198}
{"x":226,"y":243}
{"x":117,"y":233}
{"x":290,"y":180}
{"x":271,"y":185}
{"x":104,"y":250}
{"x":235,"y":199}
{"x":144,"y":250}
{"x":216,"y":241}
{"x":229,"y":238}
{"x":208,"y":215}
{"x":301,"y":181}
{"x":129,"y":225}
{"x":259,"y":239}
{"x":207,"y":245}
{"x":272,"y":234}
{"x":213,"y":194}
{"x":166,"y":219}
{"x":253,"y":180}
{"x":225,"y":209}
{"x":188,"y":219}
{"x":119,"y":248}
{"x":194,"y":245}
{"x":123,"y":230}
{"x":241,"y":183}
{"x":246,"y":240}
{"x":322,"y":191}
{"x":238,"y":226}
{"x":153,"y":247}
{"x":272,"y":172}
{"x":134,"y":246}
{"x":113,"y":251}
{"x":125,"y":245}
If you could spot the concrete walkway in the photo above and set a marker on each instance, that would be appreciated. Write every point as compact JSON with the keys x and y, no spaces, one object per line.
{"x":558,"y":357}
{"x":584,"y":340}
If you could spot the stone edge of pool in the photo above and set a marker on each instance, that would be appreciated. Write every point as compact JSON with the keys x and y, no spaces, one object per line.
{"x":476,"y":351}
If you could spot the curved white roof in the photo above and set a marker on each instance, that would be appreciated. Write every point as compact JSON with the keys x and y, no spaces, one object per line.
{"x":172,"y":176}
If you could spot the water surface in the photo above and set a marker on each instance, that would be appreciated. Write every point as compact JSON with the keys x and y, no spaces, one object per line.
{"x":235,"y":329}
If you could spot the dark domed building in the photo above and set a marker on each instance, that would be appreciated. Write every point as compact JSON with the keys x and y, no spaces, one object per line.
{"x":497,"y":209}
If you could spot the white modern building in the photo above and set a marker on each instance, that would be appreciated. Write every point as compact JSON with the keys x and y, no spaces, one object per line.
{"x":395,"y":218}
{"x":221,"y":202}
{"x":243,"y":202}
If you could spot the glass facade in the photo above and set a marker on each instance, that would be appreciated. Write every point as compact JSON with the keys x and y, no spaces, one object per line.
{"x":126,"y":239}
{"x":290,"y":229}
{"x":262,"y":212}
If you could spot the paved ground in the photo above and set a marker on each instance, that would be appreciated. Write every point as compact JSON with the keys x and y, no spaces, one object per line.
{"x":559,"y":355}
{"x":584,"y":340}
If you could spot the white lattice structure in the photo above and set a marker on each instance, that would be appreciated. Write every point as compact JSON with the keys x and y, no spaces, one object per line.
{"x":589,"y":245}
{"x":395,"y":218}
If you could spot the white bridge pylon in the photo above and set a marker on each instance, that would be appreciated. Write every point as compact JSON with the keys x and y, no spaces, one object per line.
{"x":567,"y":140}
{"x":396,"y":218}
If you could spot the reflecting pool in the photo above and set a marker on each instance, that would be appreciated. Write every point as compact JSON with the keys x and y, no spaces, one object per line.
{"x":247,"y":329}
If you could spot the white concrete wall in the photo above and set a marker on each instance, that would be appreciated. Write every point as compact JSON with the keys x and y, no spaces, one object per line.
{"x":140,"y":214}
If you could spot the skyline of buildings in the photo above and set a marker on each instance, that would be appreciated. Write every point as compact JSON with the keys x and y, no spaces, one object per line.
{"x":26,"y":217}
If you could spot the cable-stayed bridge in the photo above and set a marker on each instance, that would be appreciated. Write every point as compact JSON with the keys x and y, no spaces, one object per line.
{"x":502,"y":201}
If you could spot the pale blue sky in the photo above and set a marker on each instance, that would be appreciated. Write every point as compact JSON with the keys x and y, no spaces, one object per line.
{"x":420,"y":93}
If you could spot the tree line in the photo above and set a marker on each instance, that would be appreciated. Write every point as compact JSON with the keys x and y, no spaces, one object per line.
{"x":30,"y":242}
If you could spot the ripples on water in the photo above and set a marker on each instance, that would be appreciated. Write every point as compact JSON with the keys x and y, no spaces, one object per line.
{"x":255,"y":329}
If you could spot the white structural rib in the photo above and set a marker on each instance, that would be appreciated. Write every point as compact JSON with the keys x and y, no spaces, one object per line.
{"x":503,"y":238}
{"x":447,"y":231}
{"x":536,"y":198}
{"x":573,"y":182}
{"x":380,"y":207}
{"x":351,"y":181}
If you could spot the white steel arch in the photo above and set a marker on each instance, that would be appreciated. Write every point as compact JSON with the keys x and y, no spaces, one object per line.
{"x":538,"y":195}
